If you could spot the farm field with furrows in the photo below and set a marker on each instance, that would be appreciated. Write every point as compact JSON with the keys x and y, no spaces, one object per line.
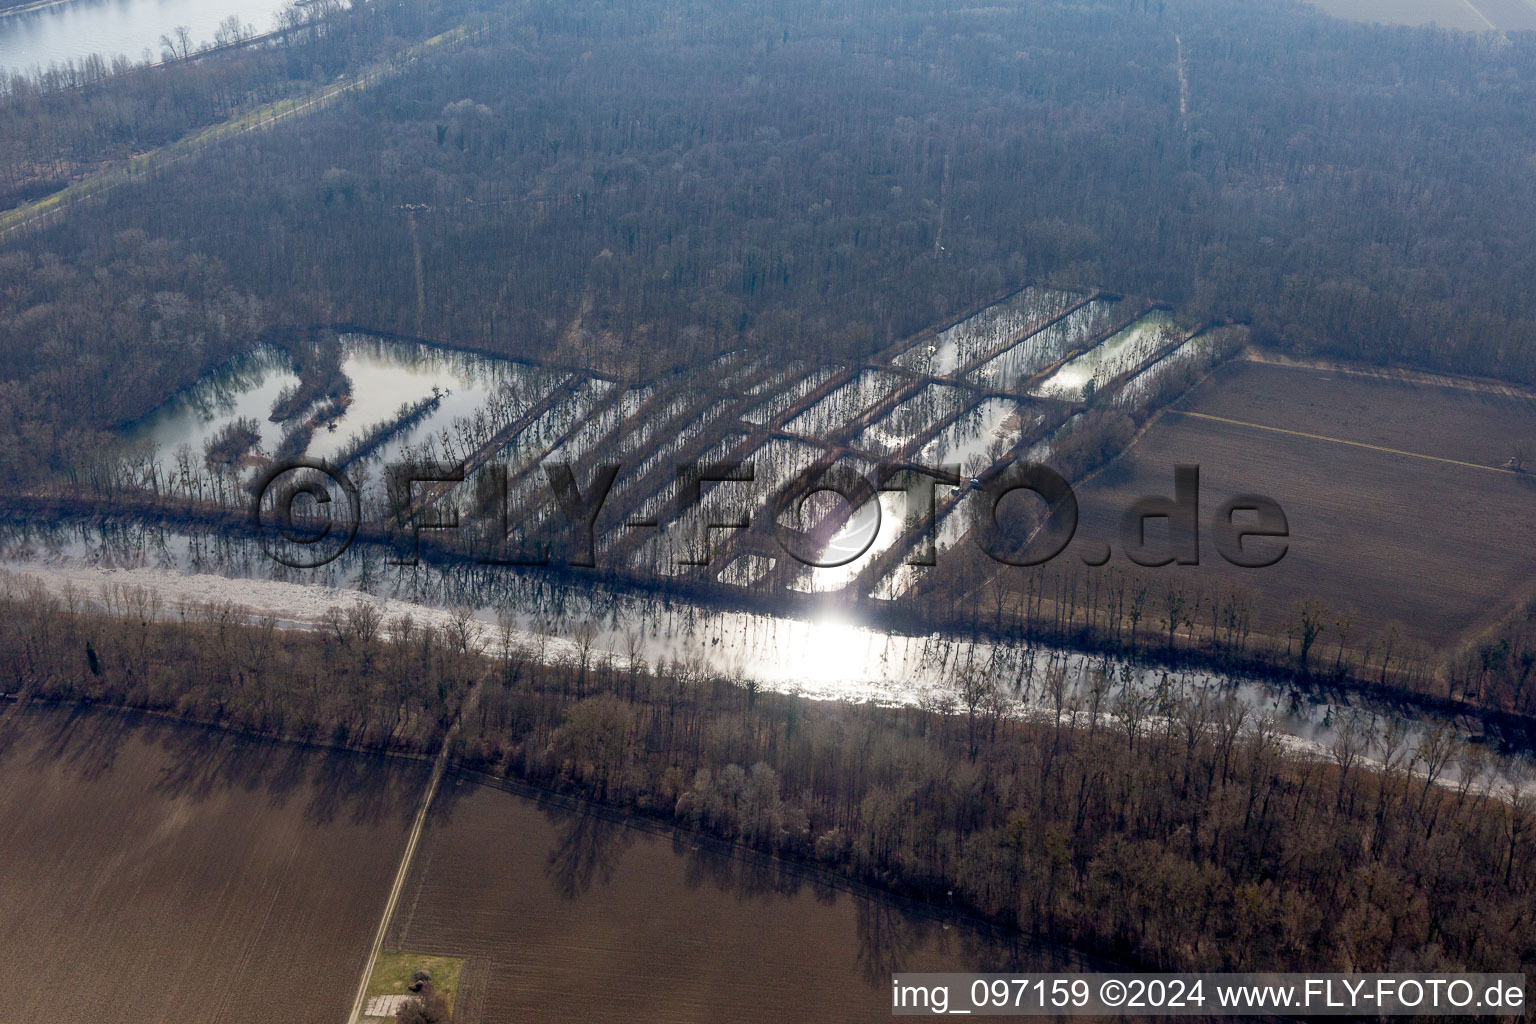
{"x":1394,"y":527}
{"x":566,"y":914}
{"x":200,"y":875}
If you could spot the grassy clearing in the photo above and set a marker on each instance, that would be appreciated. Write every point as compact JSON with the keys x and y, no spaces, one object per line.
{"x":392,"y":974}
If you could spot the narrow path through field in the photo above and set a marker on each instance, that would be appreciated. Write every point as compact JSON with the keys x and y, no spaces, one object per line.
{"x":1340,"y":440}
{"x":438,"y":768}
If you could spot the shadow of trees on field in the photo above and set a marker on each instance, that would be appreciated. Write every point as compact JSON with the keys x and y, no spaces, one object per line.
{"x":586,"y":842}
{"x":366,"y":789}
{"x":336,"y":785}
{"x":187,"y":761}
{"x":587,"y":849}
{"x":887,"y":937}
{"x":892,"y":934}
{"x":454,"y":790}
{"x":584,"y":848}
{"x":86,"y":742}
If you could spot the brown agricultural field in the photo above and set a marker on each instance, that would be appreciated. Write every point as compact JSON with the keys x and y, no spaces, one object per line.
{"x":1400,"y":512}
{"x":157,"y":871}
{"x":565,"y":914}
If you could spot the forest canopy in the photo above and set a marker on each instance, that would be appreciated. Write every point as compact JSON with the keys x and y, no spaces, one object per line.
{"x":638,"y":185}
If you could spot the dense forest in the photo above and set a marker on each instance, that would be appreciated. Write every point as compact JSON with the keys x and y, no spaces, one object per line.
{"x":65,"y":121}
{"x":70,"y":331}
{"x":1167,"y":829}
{"x":634,"y":186}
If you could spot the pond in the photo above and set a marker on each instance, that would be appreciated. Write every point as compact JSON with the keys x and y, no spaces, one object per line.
{"x":1101,"y":364}
{"x":245,"y":389}
{"x":404,"y":398}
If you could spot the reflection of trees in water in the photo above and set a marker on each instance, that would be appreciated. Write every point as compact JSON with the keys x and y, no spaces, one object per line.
{"x":545,"y":605}
{"x":587,"y":849}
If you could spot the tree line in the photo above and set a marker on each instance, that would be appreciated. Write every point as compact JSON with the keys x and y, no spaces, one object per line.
{"x":1167,"y":828}
{"x":637,"y":187}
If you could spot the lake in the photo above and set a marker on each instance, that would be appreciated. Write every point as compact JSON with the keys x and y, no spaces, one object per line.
{"x":76,"y":29}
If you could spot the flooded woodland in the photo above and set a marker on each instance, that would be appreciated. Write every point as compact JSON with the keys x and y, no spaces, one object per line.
{"x":856,"y":625}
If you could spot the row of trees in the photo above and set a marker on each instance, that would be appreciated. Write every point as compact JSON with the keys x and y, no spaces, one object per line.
{"x":360,"y":679}
{"x":1166,"y":827}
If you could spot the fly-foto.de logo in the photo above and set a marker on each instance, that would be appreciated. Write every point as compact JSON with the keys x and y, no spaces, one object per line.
{"x":307,"y":513}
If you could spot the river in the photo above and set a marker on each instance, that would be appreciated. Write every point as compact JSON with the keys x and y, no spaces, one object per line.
{"x":820,"y":649}
{"x":76,"y":29}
